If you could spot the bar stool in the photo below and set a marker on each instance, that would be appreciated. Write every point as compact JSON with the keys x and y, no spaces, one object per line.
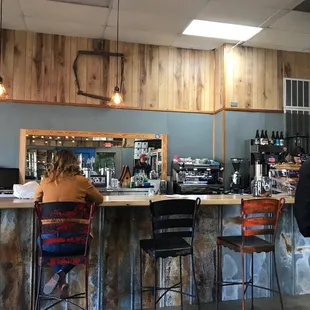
{"x":173,"y":223}
{"x":60,"y":218}
{"x":259,"y":217}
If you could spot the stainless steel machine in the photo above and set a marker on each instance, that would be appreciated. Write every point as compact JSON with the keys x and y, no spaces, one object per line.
{"x":265,"y":155}
{"x":197,"y":176}
{"x":237,"y":182}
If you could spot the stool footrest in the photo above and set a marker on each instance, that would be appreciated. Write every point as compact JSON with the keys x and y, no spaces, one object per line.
{"x":249,"y":283}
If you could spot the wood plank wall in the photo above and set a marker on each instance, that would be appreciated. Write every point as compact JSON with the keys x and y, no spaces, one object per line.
{"x":219,"y":90}
{"x":251,"y":78}
{"x":38,"y":68}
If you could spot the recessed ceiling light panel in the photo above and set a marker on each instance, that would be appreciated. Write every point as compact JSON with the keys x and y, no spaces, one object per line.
{"x":202,"y":28}
{"x":98,"y":3}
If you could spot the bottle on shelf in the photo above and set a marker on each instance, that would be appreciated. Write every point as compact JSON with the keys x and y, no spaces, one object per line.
{"x":298,"y":140}
{"x":277,"y":138}
{"x":257,"y":140}
{"x":266,"y":138}
{"x":272,"y":139}
{"x":281,"y":141}
{"x":262,"y":138}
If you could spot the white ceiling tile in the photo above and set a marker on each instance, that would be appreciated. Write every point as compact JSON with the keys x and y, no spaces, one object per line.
{"x":160,"y":21}
{"x":281,"y":38}
{"x":139,"y":36}
{"x":149,"y":22}
{"x":185,"y":8}
{"x":97,"y":3}
{"x":197,"y":43}
{"x":14,"y":22}
{"x":12,"y":15}
{"x":55,"y":11}
{"x":249,"y":14}
{"x":276,"y":4}
{"x":294,"y":21}
{"x":274,"y":47}
{"x":64,"y":28}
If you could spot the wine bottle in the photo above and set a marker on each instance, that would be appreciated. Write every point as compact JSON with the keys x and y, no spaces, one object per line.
{"x":262,"y":138}
{"x":281,"y":141}
{"x":257,"y":140}
{"x":277,"y":138}
{"x":266,"y":138}
{"x":273,"y":138}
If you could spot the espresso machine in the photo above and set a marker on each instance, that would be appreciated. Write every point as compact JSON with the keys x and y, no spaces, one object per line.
{"x":195,"y":176}
{"x":236,"y":182}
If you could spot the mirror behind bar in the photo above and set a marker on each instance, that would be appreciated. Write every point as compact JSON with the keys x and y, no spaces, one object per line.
{"x":102,"y":156}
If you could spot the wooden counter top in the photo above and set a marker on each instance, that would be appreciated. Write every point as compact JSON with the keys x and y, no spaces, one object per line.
{"x":123,"y":201}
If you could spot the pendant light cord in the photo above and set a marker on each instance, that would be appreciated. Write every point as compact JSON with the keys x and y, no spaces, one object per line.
{"x":117,"y":39}
{"x":1,"y":18}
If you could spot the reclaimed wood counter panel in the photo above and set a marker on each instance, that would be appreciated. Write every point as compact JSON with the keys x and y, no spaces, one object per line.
{"x":131,"y":201}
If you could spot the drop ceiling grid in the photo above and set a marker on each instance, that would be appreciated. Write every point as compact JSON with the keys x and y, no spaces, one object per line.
{"x":160,"y":22}
{"x":283,"y":38}
{"x":230,"y":12}
{"x":64,"y":12}
{"x":294,"y":21}
{"x":185,"y":8}
{"x":150,"y":22}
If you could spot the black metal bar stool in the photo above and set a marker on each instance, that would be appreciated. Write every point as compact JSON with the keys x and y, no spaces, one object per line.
{"x":259,"y":217}
{"x":55,"y":219}
{"x":173,"y":223}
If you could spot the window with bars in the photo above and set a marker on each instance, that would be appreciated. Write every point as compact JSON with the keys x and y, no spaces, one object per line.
{"x":296,"y":95}
{"x":297,"y":109}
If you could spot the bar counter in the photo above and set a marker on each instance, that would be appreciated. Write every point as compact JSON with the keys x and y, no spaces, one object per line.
{"x":143,"y":200}
{"x":114,"y":258}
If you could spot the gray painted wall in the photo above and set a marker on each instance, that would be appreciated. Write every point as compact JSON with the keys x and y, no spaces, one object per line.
{"x":188,"y":134}
{"x":218,"y":136}
{"x":241,"y":126}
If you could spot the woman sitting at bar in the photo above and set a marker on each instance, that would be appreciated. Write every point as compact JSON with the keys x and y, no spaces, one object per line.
{"x":63,"y":182}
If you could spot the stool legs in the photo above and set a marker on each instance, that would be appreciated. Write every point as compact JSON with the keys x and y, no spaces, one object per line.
{"x":86,"y":285}
{"x":37,"y":305}
{"x":195,"y":280}
{"x":156,"y":280}
{"x":252,"y":279}
{"x":181,"y":283}
{"x":277,"y":278}
{"x":218,"y":269}
{"x":141,"y":279}
{"x":155,"y":283}
{"x":242,"y":279}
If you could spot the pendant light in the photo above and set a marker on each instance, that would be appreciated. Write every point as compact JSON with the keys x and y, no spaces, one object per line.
{"x":3,"y":92}
{"x":117,"y":97}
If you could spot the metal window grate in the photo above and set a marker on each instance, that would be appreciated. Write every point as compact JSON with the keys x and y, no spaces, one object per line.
{"x":297,"y":109}
{"x":296,"y":95}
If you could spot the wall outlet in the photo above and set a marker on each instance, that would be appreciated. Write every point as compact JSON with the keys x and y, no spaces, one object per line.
{"x":234,"y":104}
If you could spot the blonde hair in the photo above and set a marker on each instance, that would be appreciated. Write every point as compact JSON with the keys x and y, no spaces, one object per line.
{"x":65,"y":164}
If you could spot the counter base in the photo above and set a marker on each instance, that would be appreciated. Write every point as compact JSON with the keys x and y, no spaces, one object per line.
{"x":114,"y":258}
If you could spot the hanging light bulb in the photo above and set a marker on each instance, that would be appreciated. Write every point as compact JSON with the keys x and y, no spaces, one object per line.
{"x":3,"y":92}
{"x":117,"y":97}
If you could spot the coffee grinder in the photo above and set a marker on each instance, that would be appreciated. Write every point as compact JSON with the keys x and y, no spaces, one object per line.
{"x":236,"y":177}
